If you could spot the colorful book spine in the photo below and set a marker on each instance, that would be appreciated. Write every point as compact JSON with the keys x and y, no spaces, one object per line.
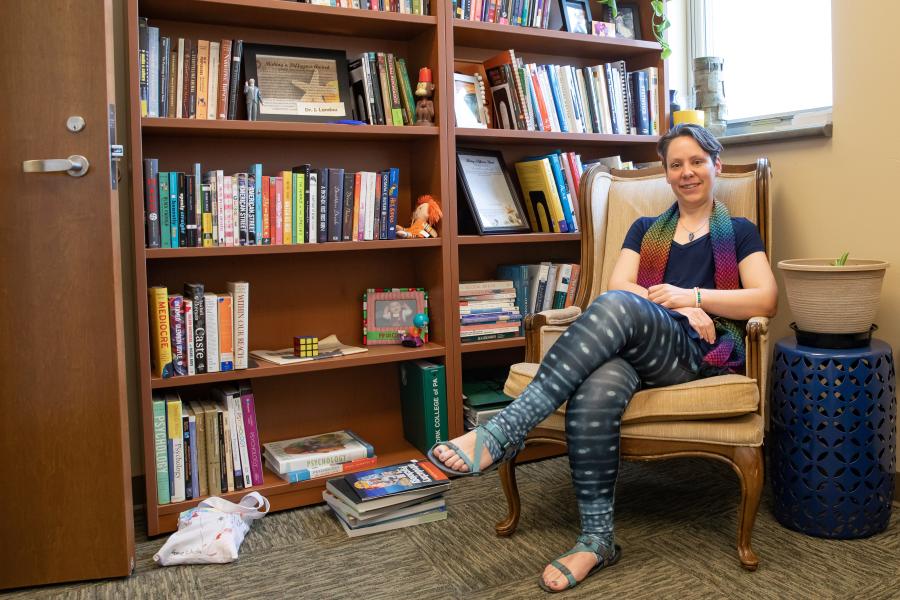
{"x":163,"y":495}
{"x":328,"y":470}
{"x":165,"y":218}
{"x":151,"y":202}
{"x":177,"y":337}
{"x":211,"y":318}
{"x":266,"y":206}
{"x":195,"y":463}
{"x":234,"y":401}
{"x":196,"y":410}
{"x":287,"y":206}
{"x":248,"y":411}
{"x":277,"y":194}
{"x":173,"y":209}
{"x":226,"y":332}
{"x":175,"y":432}
{"x":240,"y":292}
{"x":193,"y":292}
{"x":161,"y":345}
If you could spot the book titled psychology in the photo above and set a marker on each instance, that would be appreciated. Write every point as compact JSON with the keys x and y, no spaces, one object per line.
{"x":315,"y":450}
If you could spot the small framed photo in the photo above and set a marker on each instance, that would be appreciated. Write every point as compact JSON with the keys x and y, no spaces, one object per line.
{"x":467,"y":102}
{"x":389,"y":312}
{"x":299,"y":84}
{"x":576,"y":15}
{"x":490,"y":194}
{"x":603,"y":28}
{"x":628,"y":21}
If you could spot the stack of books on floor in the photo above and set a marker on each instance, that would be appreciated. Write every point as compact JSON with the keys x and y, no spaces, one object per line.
{"x":316,"y":456}
{"x":488,"y":310}
{"x":483,"y":395}
{"x":388,"y":497}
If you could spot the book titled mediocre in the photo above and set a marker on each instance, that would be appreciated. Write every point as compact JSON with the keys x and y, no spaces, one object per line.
{"x":315,"y":450}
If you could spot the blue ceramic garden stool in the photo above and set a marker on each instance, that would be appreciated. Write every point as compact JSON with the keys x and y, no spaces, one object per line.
{"x":833,"y":438}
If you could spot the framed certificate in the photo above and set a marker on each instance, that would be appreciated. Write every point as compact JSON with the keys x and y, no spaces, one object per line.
{"x":485,"y":182}
{"x":299,"y":84}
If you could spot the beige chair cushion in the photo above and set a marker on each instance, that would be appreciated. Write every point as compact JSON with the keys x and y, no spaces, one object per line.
{"x":718,"y":397}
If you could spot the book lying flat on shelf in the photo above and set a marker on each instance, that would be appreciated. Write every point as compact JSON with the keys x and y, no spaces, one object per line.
{"x":390,"y":485}
{"x":324,"y":470}
{"x":316,"y":450}
{"x":329,"y":347}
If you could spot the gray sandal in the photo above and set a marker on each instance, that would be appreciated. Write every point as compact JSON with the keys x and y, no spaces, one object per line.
{"x":584,"y":544}
{"x":488,"y":429}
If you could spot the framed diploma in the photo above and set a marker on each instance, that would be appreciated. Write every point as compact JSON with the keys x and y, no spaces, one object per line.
{"x":485,"y":182}
{"x":298,"y":84}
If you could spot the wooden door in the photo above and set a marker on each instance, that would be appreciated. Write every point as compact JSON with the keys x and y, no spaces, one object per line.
{"x":65,"y":474}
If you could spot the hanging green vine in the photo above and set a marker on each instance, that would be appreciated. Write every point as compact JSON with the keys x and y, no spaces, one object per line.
{"x":660,"y":22}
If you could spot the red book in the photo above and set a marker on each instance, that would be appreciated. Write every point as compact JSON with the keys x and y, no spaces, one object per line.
{"x":266,"y":213}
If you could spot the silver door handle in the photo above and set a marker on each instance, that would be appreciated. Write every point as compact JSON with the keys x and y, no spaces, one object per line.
{"x":76,"y":165}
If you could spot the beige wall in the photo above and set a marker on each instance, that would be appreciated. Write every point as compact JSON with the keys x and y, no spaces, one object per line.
{"x":840,"y":194}
{"x":830,"y":195}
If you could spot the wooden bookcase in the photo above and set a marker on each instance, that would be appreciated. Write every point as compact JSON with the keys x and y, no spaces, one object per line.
{"x":317,"y":289}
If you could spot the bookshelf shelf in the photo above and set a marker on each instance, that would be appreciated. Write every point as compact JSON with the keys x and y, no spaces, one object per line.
{"x":515,"y":342}
{"x":291,"y":16}
{"x":530,"y":39}
{"x":519,"y":238}
{"x":174,"y":253}
{"x":519,"y":138}
{"x":171,"y":128}
{"x":376,"y":355}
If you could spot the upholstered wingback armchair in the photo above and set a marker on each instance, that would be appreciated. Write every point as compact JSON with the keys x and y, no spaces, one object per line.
{"x":721,"y":417}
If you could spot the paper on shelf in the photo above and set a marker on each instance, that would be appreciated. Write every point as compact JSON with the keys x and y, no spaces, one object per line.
{"x":329,"y":347}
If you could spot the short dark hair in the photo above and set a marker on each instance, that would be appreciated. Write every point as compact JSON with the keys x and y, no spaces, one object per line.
{"x":701,"y":135}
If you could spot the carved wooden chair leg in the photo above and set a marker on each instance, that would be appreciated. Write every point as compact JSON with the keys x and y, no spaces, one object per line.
{"x":507,"y":472}
{"x":748,"y":462}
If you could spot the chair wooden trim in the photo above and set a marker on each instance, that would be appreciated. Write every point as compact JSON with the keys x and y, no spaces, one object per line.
{"x":746,"y":461}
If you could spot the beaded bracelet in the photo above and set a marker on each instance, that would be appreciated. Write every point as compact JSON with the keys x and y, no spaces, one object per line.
{"x":696,"y":297}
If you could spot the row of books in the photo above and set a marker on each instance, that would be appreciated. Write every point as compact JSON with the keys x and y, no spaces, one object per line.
{"x":488,"y":311}
{"x":316,"y":456}
{"x":524,"y":13}
{"x":549,"y":186}
{"x":381,"y":89}
{"x":181,"y":78}
{"x":388,"y":497}
{"x":603,"y":98}
{"x":199,"y":332}
{"x":405,"y":7}
{"x":205,"y":446}
{"x":540,"y":287}
{"x":305,"y":205}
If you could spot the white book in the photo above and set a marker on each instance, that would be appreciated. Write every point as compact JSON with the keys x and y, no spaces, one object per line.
{"x":363,"y":199}
{"x":371,"y":202}
{"x":235,"y":442}
{"x":229,"y":210}
{"x":551,"y":287}
{"x":544,"y":80}
{"x":220,"y":207}
{"x":212,"y":94}
{"x":563,"y":278}
{"x":153,"y":72}
{"x":240,"y":292}
{"x":211,"y":312}
{"x":242,"y":438}
{"x":511,"y":329}
{"x":228,"y":458}
{"x":188,"y":308}
{"x":491,"y":284}
{"x":179,"y":79}
{"x":175,"y":429}
{"x":235,"y":212}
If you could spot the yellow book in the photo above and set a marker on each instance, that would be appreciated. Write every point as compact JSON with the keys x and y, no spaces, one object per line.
{"x":287,"y":201}
{"x":160,"y":340}
{"x":202,"y":79}
{"x":300,"y":224}
{"x":540,"y":194}
{"x":175,"y":441}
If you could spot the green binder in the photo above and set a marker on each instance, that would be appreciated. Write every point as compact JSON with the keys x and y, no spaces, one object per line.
{"x":423,"y":394}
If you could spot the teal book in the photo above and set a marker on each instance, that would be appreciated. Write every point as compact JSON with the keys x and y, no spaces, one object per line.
{"x":423,"y":396}
{"x":518,"y":274}
{"x":162,"y":454}
{"x":165,"y":220}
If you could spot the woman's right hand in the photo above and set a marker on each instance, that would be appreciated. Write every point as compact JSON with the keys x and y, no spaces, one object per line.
{"x":700,"y":321}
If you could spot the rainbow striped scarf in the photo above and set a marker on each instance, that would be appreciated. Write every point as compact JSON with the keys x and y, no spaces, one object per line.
{"x":728,"y":351}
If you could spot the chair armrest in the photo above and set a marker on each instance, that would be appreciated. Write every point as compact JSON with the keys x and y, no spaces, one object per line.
{"x":544,"y":328}
{"x":757,"y":360}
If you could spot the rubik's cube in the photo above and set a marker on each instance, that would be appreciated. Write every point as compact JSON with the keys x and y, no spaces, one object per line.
{"x":306,"y":346}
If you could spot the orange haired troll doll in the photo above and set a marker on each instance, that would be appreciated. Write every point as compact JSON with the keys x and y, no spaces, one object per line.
{"x":424,"y":217}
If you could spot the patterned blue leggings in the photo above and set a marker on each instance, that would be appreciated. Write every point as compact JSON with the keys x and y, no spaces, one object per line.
{"x":621,"y":343}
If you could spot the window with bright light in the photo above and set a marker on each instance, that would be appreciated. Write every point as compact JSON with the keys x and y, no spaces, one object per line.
{"x":777,"y":53}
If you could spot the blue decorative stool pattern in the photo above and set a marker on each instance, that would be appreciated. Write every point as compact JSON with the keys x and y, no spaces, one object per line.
{"x":833,"y":438}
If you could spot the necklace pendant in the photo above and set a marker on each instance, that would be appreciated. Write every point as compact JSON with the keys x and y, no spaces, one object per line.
{"x":690,"y":237}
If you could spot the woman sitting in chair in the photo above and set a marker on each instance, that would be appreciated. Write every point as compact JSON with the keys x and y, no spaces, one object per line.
{"x":681,"y":285}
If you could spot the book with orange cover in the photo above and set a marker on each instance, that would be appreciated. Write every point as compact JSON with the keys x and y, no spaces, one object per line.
{"x":226,"y":332}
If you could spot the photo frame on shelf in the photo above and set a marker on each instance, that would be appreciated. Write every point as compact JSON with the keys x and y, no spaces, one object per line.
{"x":299,"y":84}
{"x":468,"y":101}
{"x":489,"y":192}
{"x":388,"y":314}
{"x":628,"y":20}
{"x":576,"y":15}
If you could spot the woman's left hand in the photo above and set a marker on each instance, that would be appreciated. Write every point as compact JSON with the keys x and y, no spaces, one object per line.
{"x":671,"y":296}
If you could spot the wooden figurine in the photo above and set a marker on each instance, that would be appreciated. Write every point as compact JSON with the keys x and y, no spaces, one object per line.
{"x":306,"y":346}
{"x":424,"y":93}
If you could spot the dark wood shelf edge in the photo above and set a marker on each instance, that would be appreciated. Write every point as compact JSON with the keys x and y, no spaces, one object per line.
{"x":375,"y":356}
{"x":174,"y":253}
{"x":514,"y":342}
{"x":521,"y":238}
{"x":514,"y":136}
{"x":155,"y":126}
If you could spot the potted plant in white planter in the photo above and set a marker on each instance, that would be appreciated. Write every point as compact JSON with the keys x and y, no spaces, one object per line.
{"x":833,"y":296}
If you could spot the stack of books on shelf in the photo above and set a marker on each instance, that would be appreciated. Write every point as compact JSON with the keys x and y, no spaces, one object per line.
{"x":483,"y":395}
{"x":382,"y":94}
{"x":616,"y":162}
{"x":405,"y":7}
{"x":550,"y":188}
{"x":207,"y":445}
{"x":540,"y":287}
{"x":199,"y":332}
{"x":488,"y":311}
{"x":316,"y":456}
{"x":389,"y":497}
{"x":305,"y":205}
{"x":604,"y":98}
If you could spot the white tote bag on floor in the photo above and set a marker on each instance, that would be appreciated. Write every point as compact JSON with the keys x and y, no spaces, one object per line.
{"x":213,"y":531}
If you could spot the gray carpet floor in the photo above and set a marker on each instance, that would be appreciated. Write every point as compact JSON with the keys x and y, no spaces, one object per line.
{"x":676,"y":523}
